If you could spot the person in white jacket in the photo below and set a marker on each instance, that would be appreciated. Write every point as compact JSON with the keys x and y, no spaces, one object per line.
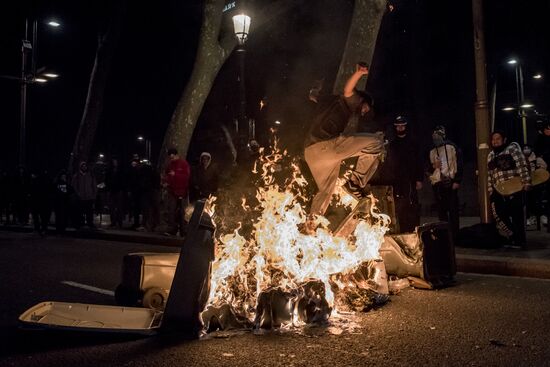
{"x":445,"y":174}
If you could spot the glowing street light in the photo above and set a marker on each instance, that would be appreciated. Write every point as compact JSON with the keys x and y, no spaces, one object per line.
{"x":241,"y":25}
{"x":54,"y":23}
{"x":51,"y":75}
{"x":277,"y":122}
{"x":527,"y":105}
{"x":512,"y":61}
{"x":508,"y":108}
{"x":40,"y":80}
{"x":537,"y":76}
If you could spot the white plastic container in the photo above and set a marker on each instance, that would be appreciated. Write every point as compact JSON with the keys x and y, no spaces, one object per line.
{"x":98,"y":318}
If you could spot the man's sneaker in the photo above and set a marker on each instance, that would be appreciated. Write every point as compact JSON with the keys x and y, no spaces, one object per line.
{"x":353,"y":190}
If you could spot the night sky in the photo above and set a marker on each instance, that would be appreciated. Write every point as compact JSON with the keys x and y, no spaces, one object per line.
{"x":423,"y":67}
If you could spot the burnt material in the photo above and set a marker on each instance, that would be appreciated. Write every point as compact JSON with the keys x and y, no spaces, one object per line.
{"x":363,"y":289}
{"x":274,"y":308}
{"x":311,"y":306}
{"x":428,"y":254}
{"x":223,"y":318}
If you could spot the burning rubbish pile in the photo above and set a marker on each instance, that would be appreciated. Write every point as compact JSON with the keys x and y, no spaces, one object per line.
{"x":279,"y":269}
{"x":271,"y":272}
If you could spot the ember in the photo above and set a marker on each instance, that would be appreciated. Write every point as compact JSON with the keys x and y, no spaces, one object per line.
{"x":278,"y":274}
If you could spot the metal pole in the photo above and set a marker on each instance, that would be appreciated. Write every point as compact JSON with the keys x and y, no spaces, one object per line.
{"x":242,"y":124}
{"x":522,"y":111}
{"x":23,"y":106}
{"x":517,"y":85}
{"x":34,"y":47}
{"x":493,"y":104}
{"x":242,"y":88}
{"x":481,"y":111}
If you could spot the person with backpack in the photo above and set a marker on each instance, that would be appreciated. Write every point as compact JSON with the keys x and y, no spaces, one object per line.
{"x":329,"y":141}
{"x":445,"y":168}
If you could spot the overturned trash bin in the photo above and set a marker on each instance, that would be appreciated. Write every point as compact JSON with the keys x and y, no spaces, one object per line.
{"x":426,"y":256}
{"x":146,"y":278}
{"x":191,"y":284}
{"x":187,"y":296}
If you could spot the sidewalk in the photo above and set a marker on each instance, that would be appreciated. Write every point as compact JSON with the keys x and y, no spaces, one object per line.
{"x":534,"y":262}
{"x":104,"y":232}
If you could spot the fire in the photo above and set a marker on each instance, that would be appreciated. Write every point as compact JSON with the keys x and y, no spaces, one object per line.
{"x":278,"y":254}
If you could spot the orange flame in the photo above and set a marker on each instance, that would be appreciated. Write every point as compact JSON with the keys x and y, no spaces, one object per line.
{"x":278,"y":254}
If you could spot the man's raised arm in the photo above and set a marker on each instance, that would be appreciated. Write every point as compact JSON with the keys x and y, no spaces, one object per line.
{"x":349,"y":88}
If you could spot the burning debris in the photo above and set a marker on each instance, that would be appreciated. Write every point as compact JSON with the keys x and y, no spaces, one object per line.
{"x":272,"y":272}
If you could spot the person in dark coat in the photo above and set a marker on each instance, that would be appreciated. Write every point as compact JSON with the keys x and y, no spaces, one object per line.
{"x":134,"y":192}
{"x":4,"y":202}
{"x":204,"y":178}
{"x":85,"y":187}
{"x":63,"y":193}
{"x":21,"y":187}
{"x":41,"y":192}
{"x":149,"y":182}
{"x":407,"y":173}
{"x":115,"y":181}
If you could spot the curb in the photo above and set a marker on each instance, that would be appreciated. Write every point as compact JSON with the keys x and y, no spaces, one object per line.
{"x":499,"y":265}
{"x":123,"y":237}
{"x":158,"y":240}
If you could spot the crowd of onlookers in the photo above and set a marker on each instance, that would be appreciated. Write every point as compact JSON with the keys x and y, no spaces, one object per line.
{"x":136,"y":195}
{"x":119,"y":193}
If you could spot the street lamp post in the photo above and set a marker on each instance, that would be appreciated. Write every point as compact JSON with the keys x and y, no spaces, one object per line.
{"x":481,"y":112}
{"x":28,"y":51}
{"x":520,"y":96}
{"x":26,"y":48}
{"x":241,"y":24}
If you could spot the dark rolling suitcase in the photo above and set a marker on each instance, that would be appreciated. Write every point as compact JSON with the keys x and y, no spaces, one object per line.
{"x":426,"y":256}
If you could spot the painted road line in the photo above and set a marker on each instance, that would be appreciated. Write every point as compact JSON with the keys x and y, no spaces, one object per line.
{"x":88,"y":287}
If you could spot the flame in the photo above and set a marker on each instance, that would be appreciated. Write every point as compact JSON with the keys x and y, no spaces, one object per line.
{"x":278,"y":252}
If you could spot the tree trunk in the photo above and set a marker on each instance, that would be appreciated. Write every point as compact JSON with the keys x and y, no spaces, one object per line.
{"x":362,"y":35}
{"x":210,"y":57}
{"x":106,"y":44}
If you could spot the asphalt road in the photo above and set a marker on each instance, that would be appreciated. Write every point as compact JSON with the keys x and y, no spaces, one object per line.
{"x":483,"y":320}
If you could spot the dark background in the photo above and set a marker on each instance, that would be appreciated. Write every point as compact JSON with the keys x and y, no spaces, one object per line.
{"x":423,"y":67}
